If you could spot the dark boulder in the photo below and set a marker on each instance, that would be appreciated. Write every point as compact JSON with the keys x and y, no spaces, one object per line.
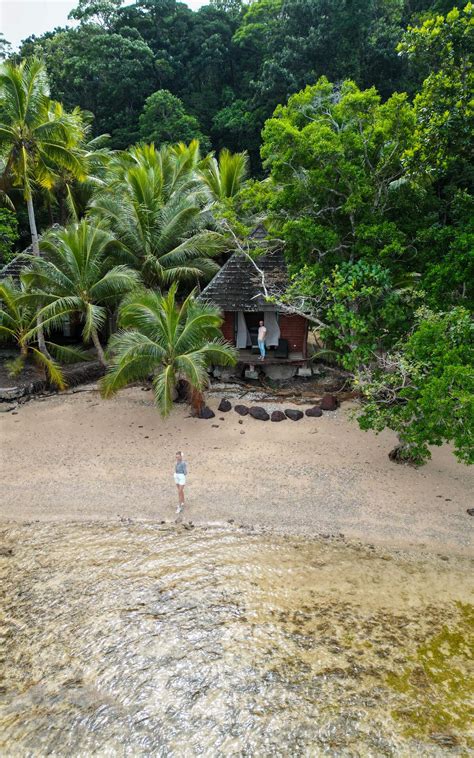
{"x":329,"y":403}
{"x":293,"y":414}
{"x":259,"y":413}
{"x":315,"y":411}
{"x":242,"y":410}
{"x":206,"y":412}
{"x":224,"y":406}
{"x":278,"y":416}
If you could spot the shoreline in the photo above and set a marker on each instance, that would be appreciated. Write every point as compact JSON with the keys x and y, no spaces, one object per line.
{"x":79,"y":458}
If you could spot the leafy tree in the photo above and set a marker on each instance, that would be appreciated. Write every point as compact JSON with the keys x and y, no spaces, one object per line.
{"x":440,"y":157}
{"x":5,"y":47}
{"x":18,"y":325}
{"x":102,"y":12}
{"x":335,"y":155}
{"x":424,"y":390}
{"x":173,"y":342}
{"x":157,"y":209}
{"x":37,"y":137}
{"x":443,"y":45}
{"x":77,"y":277}
{"x":164,"y":120}
{"x":108,"y":74}
{"x":8,"y":235}
{"x":359,"y":309}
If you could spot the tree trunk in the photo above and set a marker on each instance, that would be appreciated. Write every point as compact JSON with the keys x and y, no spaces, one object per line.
{"x":402,"y":453}
{"x":196,"y":399}
{"x":35,"y":245}
{"x":98,"y":347}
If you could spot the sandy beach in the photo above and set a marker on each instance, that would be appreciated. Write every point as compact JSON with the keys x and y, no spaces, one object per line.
{"x":77,"y":457}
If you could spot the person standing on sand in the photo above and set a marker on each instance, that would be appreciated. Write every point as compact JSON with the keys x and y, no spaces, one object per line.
{"x":180,"y":472}
{"x":262,"y":333}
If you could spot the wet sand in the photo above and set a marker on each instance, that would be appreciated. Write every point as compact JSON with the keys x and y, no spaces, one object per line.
{"x":77,"y":457}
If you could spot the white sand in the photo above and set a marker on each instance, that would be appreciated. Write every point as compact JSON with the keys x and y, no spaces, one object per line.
{"x":78,"y":457}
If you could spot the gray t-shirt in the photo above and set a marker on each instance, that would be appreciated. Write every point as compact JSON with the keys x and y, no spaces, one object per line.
{"x":181,"y":468}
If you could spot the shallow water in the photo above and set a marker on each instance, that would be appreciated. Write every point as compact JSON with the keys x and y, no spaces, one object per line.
{"x":136,"y":639}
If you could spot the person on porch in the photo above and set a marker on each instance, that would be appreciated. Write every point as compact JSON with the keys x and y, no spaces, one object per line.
{"x":262,"y":333}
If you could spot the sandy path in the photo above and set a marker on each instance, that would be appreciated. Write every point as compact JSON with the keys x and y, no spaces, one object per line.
{"x":79,"y":457}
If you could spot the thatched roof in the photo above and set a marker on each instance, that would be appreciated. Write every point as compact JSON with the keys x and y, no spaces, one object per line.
{"x":14,"y":268}
{"x":238,"y":285}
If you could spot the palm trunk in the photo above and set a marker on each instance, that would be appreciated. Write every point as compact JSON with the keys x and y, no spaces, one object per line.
{"x":98,"y":347}
{"x":35,"y":245}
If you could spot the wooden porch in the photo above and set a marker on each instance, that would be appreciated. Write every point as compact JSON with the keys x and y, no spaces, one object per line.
{"x":251,"y":357}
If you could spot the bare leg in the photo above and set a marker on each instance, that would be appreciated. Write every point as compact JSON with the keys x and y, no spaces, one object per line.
{"x":181,"y":494}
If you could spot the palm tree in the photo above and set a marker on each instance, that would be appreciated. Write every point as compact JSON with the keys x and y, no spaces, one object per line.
{"x":37,"y":137}
{"x":171,"y":342}
{"x":224,"y":177}
{"x":76,"y":277}
{"x":17,"y":324}
{"x":156,"y":207}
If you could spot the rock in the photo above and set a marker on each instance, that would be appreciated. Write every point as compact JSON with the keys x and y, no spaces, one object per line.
{"x":7,"y":408}
{"x":224,"y":406}
{"x":240,"y":421}
{"x":278,"y":416}
{"x":470,"y":511}
{"x":315,"y":411}
{"x":293,"y":414}
{"x":206,"y":412}
{"x":259,"y":413}
{"x":329,"y":403}
{"x":242,"y":410}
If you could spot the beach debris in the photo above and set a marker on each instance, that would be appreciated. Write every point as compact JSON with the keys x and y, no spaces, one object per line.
{"x":224,"y":406}
{"x":242,"y":410}
{"x":315,"y":411}
{"x":215,"y":426}
{"x":470,"y":511}
{"x":7,"y":408}
{"x":259,"y":413}
{"x":277,"y":416}
{"x":206,"y":412}
{"x":293,"y":414}
{"x":329,"y":403}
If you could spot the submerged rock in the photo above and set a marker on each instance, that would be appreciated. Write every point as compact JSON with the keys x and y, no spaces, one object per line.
{"x":259,"y":413}
{"x":293,"y":414}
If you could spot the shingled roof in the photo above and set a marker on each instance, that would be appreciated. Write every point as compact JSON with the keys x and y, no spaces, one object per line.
{"x":238,"y":285}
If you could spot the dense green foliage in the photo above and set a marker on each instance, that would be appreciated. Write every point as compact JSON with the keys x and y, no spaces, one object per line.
{"x":424,"y":389}
{"x":165,"y":121}
{"x":8,"y":235}
{"x":230,"y":63}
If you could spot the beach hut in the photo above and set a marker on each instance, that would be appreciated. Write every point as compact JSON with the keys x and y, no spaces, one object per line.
{"x":241,"y":290}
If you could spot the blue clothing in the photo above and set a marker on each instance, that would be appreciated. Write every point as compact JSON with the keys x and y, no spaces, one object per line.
{"x":261,"y":347}
{"x":181,"y":468}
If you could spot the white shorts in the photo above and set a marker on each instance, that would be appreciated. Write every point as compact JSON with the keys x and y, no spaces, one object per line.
{"x":180,"y":479}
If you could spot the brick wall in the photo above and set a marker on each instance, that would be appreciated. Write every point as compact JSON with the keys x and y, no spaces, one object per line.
{"x":228,"y":328}
{"x":295,"y":330}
